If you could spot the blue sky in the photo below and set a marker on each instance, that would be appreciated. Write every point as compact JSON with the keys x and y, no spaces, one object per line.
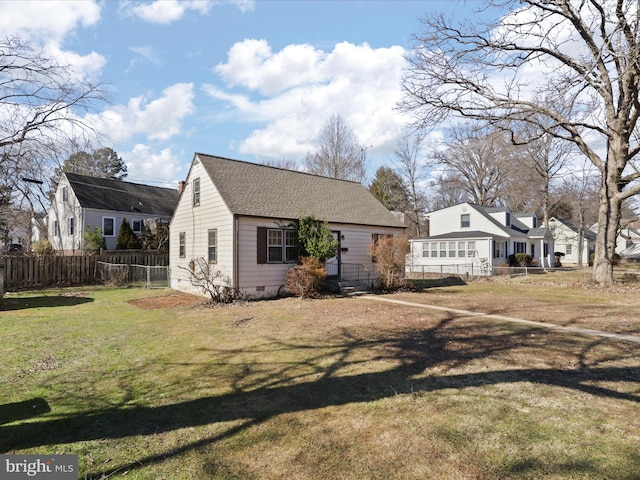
{"x":242,"y":79}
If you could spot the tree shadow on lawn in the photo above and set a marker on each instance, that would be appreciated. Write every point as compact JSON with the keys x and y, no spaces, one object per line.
{"x":43,"y":301}
{"x":285,"y":391}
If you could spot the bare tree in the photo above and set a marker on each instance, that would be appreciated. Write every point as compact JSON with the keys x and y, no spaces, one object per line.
{"x":340,"y":155}
{"x":41,"y":99}
{"x":41,"y":107}
{"x":481,"y":157}
{"x":547,"y":156}
{"x":409,"y":161}
{"x":569,"y":68}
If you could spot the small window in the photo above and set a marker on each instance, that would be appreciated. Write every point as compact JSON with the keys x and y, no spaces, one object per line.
{"x":425,"y":250}
{"x":274,"y":246}
{"x":196,"y":192}
{"x":72,"y":226}
{"x":461,"y":249}
{"x":509,"y":221}
{"x":471,"y":249}
{"x":535,"y":222}
{"x":108,"y":226}
{"x":452,"y":249}
{"x":443,"y":249}
{"x":65,"y":194}
{"x":434,"y":249}
{"x":136,"y":226}
{"x":212,"y":245}
{"x":569,"y":249}
{"x":182,"y":241}
{"x":290,"y":246}
{"x":465,"y":220}
{"x":56,"y":228}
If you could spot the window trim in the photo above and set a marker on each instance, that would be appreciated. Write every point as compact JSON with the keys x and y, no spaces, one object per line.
{"x":133,"y":221}
{"x":71,"y":224}
{"x":195,"y":197}
{"x":289,"y":253}
{"x":212,"y":248}
{"x":465,"y":222}
{"x":104,"y":230}
{"x":182,"y":245}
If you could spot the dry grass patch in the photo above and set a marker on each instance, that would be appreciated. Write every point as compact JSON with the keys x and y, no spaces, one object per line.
{"x":316,"y":389}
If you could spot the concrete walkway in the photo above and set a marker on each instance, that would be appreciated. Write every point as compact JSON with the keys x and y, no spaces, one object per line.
{"x":467,"y":313}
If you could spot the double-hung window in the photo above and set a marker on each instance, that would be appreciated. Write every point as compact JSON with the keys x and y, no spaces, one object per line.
{"x":196,"y":192}
{"x":72,"y":226}
{"x":471,"y":249}
{"x":277,"y":245}
{"x":108,"y":226}
{"x":212,"y":245}
{"x":182,"y":242}
{"x":465,"y":220}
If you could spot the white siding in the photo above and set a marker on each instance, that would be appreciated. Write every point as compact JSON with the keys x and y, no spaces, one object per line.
{"x":61,"y":212}
{"x":195,"y":222}
{"x":482,"y":255}
{"x":447,"y":220}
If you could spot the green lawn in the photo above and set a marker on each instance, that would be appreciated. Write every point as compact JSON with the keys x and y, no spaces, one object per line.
{"x":318,"y":389}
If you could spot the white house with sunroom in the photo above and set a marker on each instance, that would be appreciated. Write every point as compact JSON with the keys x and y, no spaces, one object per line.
{"x":471,"y":239}
{"x":234,"y":218}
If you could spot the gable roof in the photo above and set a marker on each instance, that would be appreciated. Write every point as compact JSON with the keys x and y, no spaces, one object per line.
{"x":575,"y":227}
{"x":251,"y":189}
{"x":121,"y":196}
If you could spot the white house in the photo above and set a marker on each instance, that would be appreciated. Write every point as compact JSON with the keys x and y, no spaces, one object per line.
{"x":566,"y":236}
{"x":81,"y":201}
{"x":236,"y":217}
{"x":627,"y":241}
{"x":470,"y":238}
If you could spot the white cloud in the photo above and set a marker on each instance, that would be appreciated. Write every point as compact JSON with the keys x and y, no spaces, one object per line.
{"x":300,"y":87}
{"x":47,"y":24}
{"x":144,"y":166}
{"x":158,"y":119}
{"x":164,"y":11}
{"x":46,"y":21}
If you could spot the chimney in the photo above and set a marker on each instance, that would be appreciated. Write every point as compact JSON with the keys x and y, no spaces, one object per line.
{"x":181,"y":184}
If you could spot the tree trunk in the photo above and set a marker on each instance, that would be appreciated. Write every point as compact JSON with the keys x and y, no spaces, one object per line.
{"x":608,"y":223}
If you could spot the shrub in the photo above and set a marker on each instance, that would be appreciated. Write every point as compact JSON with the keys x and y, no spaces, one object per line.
{"x":520,"y":260}
{"x":306,"y":279}
{"x":389,"y":253}
{"x":42,"y":248}
{"x":127,"y":239}
{"x":212,"y":280}
{"x":315,"y":238}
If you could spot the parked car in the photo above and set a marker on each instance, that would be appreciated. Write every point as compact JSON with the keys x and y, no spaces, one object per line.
{"x":12,"y":248}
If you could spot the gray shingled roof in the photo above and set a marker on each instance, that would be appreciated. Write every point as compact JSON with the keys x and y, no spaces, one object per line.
{"x":121,"y":196}
{"x":262,"y":191}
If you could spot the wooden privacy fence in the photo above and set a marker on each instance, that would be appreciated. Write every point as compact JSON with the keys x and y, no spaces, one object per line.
{"x":23,"y":272}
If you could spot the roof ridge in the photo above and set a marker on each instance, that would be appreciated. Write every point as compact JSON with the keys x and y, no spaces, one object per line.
{"x":247,"y":162}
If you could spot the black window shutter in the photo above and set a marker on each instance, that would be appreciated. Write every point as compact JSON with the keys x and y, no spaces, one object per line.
{"x":262,"y":245}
